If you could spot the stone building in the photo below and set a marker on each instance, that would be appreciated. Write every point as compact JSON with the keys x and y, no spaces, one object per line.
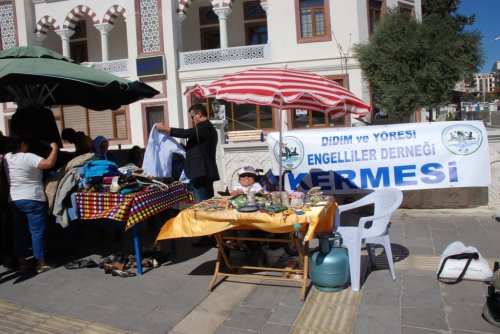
{"x":172,"y":45}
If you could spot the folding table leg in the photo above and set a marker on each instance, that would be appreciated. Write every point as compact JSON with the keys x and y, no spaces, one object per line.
{"x":306,"y":271}
{"x":137,"y":247}
{"x":216,"y":272}
{"x":222,"y":251}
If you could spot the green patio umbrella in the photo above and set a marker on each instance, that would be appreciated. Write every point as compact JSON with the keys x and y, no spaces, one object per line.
{"x":33,"y":75}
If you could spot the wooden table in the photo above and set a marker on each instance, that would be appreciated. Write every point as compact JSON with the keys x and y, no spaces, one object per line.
{"x":131,"y":209}
{"x":200,"y":221}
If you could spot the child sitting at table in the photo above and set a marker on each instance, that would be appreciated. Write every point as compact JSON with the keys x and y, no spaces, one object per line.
{"x":246,"y":182}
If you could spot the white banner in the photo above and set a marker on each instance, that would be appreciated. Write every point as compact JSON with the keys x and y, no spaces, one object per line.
{"x":407,"y":156}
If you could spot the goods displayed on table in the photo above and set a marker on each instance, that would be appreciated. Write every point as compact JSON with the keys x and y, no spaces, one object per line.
{"x":124,"y":194}
{"x":130,"y":208}
{"x":273,"y":202}
{"x":221,"y":213}
{"x":315,"y":195}
{"x":99,"y":189}
{"x":105,"y":176}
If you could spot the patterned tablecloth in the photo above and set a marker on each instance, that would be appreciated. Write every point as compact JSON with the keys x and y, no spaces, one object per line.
{"x":131,"y":208}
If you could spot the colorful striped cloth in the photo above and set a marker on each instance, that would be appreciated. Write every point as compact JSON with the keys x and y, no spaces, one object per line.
{"x":131,"y":208}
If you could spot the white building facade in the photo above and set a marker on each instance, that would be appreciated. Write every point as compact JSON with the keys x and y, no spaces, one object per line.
{"x":174,"y":44}
{"x":485,"y":82}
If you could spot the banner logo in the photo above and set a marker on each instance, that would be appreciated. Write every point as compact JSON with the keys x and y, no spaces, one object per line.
{"x":292,"y":151}
{"x":462,"y":139}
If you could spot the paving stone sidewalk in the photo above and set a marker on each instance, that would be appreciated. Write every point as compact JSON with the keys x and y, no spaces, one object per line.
{"x":174,"y":298}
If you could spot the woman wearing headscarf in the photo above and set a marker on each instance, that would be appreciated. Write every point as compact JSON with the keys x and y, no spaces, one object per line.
{"x":100,"y":147}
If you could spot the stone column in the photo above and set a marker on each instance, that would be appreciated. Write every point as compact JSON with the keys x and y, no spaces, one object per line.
{"x":178,"y":31}
{"x":104,"y":29}
{"x":172,"y":41}
{"x":65,"y":34}
{"x":219,"y":155}
{"x":223,"y":13}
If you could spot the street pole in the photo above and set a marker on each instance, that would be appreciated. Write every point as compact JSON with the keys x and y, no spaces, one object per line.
{"x":484,"y":98}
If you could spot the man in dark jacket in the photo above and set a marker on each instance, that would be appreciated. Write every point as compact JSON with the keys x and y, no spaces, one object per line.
{"x":200,"y":165}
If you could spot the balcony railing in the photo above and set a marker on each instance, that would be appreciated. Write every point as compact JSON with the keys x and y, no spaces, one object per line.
{"x":118,"y":67}
{"x":230,"y":56}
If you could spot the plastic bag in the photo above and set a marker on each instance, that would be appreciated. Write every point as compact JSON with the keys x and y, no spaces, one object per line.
{"x":462,"y":262}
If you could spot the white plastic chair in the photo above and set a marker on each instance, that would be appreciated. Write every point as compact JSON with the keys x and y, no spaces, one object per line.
{"x":385,"y":201}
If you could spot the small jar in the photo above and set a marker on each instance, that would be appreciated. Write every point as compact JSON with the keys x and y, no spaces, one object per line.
{"x":296,"y":199}
{"x":276,"y":198}
{"x":250,"y":198}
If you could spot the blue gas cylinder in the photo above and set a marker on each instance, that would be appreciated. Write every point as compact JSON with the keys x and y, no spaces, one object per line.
{"x":329,"y":266}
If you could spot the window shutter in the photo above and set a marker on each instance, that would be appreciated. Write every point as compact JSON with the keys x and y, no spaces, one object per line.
{"x":75,"y":117}
{"x":101,"y":123}
{"x":121,"y":125}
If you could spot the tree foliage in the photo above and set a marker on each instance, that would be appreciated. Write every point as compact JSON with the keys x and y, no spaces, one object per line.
{"x":411,"y":64}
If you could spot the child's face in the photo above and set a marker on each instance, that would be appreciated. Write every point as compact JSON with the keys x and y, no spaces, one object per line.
{"x":246,"y":180}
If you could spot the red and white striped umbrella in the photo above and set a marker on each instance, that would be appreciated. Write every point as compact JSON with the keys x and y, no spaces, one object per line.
{"x":284,"y":88}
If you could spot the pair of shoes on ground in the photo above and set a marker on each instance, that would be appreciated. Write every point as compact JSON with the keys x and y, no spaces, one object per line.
{"x":109,"y":269}
{"x":145,"y":262}
{"x":120,"y":273}
{"x":26,"y":266}
{"x":117,"y":261}
{"x":116,"y":266}
{"x":43,"y":266}
{"x":86,"y":263}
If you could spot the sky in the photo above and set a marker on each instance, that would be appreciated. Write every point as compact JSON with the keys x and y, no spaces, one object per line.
{"x":488,"y":23}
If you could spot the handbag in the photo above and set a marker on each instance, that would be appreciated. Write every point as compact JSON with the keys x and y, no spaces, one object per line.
{"x":462,"y":262}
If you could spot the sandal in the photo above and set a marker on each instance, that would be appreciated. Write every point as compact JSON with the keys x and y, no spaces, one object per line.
{"x":87,"y":263}
{"x":43,"y":269}
{"x":122,"y":273}
{"x":119,"y":261}
{"x":149,"y":263}
{"x":108,"y":268}
{"x":146,"y":263}
{"x":103,"y":262}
